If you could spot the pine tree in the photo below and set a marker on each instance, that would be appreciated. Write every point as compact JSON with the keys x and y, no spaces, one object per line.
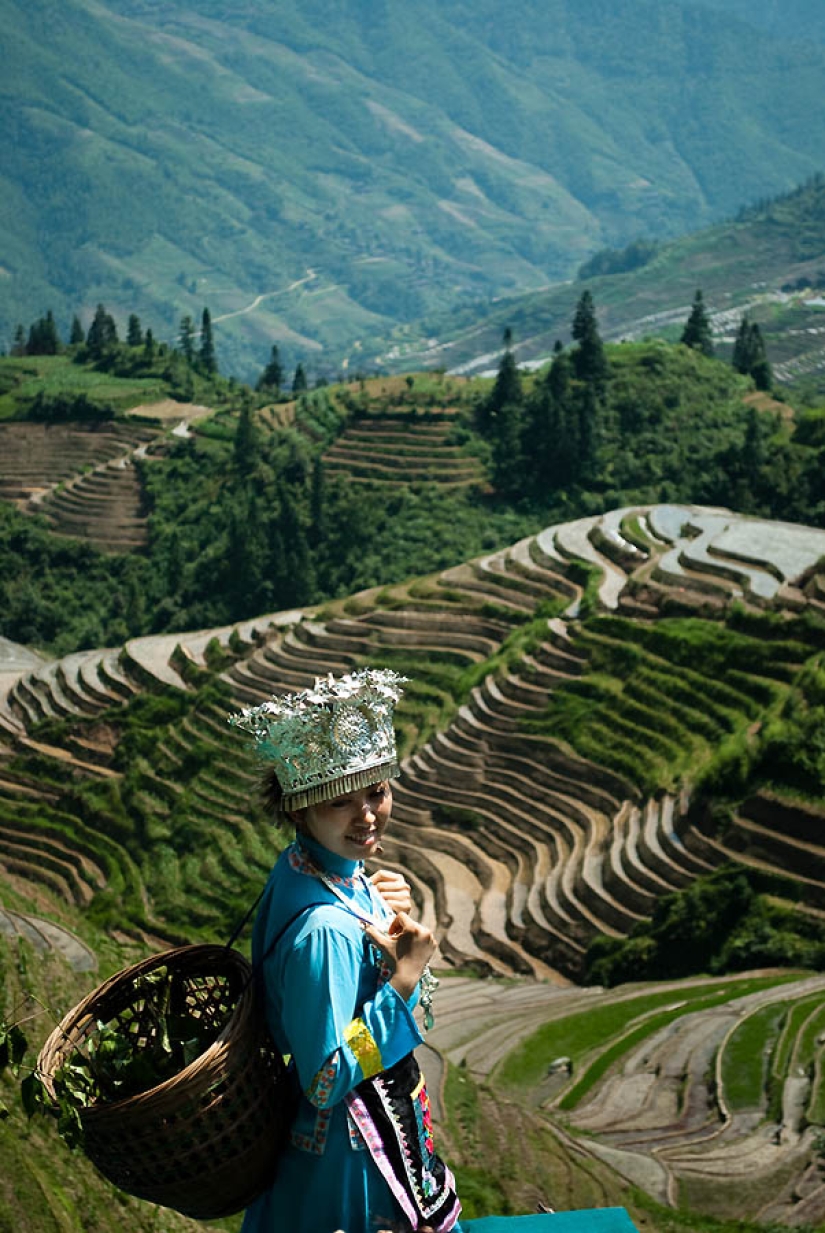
{"x":102,"y":333}
{"x":501,"y":416}
{"x":588,"y":358}
{"x":299,"y":381}
{"x":18,"y":347}
{"x":697,"y":332}
{"x":507,"y":389}
{"x":273,"y":375}
{"x":43,"y":338}
{"x":134,"y":334}
{"x":245,"y":447}
{"x":149,"y":347}
{"x":760,"y":368}
{"x":750,"y":356}
{"x":206,"y":354}
{"x":76,"y":337}
{"x":187,"y":338}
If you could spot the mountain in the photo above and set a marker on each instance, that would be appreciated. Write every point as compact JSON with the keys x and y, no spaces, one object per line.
{"x":802,"y":21}
{"x":321,"y":173}
{"x":768,"y":262}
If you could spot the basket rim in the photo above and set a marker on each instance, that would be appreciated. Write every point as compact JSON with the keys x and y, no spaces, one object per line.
{"x":49,"y":1059}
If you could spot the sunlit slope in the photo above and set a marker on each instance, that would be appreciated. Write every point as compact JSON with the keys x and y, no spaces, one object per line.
{"x":565,"y":696}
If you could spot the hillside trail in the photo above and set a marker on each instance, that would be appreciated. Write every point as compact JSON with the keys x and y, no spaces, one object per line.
{"x":309,"y":277}
{"x":45,"y":936}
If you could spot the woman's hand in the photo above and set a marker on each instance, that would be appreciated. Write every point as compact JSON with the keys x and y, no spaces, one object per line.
{"x":408,"y":945}
{"x":394,"y":889}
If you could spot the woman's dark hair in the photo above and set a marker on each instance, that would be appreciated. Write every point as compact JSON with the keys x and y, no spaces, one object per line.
{"x":272,"y":797}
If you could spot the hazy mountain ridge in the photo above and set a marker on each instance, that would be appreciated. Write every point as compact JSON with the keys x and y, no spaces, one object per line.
{"x":393,"y":162}
{"x":768,"y":262}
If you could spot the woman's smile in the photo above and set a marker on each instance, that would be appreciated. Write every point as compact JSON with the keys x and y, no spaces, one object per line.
{"x":350,"y":825}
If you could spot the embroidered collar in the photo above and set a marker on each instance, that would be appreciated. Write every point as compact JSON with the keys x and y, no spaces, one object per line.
{"x":311,"y":858}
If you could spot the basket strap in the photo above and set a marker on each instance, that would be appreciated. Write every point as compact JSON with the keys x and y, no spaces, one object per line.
{"x":238,"y":930}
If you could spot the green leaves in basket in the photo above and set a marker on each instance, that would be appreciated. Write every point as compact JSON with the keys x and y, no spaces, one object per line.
{"x":148,"y":1045}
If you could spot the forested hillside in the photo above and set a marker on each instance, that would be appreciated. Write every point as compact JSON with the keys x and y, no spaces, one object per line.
{"x":605,"y":582}
{"x":263,"y":505}
{"x":323,"y":177}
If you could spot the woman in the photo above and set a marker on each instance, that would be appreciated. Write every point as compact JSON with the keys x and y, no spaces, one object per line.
{"x":344,"y":967}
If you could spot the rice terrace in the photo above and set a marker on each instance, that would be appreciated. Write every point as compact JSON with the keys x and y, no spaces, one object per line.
{"x":587,"y":715}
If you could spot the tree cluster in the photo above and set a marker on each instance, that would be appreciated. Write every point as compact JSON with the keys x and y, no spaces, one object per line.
{"x":720,"y":923}
{"x":546,"y":439}
{"x":641,"y":423}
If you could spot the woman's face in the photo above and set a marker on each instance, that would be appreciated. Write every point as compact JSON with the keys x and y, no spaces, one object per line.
{"x":349,"y":825}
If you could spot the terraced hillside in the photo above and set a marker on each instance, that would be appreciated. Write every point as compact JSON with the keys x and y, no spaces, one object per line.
{"x":385,"y":449}
{"x":80,"y":476}
{"x":706,"y":1094}
{"x":565,"y":694}
{"x":568,"y":699}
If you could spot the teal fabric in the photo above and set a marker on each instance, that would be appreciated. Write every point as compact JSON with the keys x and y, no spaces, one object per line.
{"x":597,"y":1220}
{"x":318,"y":978}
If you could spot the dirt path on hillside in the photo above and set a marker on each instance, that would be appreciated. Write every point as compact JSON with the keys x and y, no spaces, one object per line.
{"x":44,"y":935}
{"x":170,"y":411}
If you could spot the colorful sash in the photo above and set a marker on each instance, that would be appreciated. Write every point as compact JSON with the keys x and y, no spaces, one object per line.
{"x":392,"y":1112}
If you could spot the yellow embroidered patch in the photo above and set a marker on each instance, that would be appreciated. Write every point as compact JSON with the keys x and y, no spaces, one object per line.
{"x":367,"y":1054}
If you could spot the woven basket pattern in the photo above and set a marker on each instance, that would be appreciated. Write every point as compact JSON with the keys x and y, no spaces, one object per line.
{"x":206,"y":1141}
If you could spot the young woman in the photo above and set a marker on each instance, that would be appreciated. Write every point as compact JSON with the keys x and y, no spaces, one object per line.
{"x":344,"y":967}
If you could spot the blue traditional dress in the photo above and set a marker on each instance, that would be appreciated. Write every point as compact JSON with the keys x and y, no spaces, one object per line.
{"x":330,"y":1005}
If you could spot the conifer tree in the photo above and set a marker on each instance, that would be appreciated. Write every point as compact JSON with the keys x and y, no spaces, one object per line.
{"x":697,"y":332}
{"x":187,"y":338}
{"x":750,"y":356}
{"x":507,"y":387}
{"x":502,"y":417}
{"x":245,"y":447}
{"x":588,"y":358}
{"x":76,"y":336}
{"x":273,"y":375}
{"x":299,"y":381}
{"x":102,"y":333}
{"x":206,"y":355}
{"x":149,"y":347}
{"x":43,"y":338}
{"x":18,"y":347}
{"x":134,"y":334}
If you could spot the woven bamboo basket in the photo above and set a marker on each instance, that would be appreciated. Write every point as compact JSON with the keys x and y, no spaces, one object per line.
{"x":206,"y":1141}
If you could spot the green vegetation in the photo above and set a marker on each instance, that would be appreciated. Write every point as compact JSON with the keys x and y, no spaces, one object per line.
{"x":460,"y":117}
{"x":746,"y":1056}
{"x":646,"y":422}
{"x":596,"y":1036}
{"x":720,"y":923}
{"x":245,"y":515}
{"x":666,"y":702}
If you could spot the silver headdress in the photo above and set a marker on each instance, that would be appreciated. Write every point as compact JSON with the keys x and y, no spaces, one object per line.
{"x":328,"y":740}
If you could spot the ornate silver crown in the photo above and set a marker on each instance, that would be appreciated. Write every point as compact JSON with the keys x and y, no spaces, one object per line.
{"x":333,"y":738}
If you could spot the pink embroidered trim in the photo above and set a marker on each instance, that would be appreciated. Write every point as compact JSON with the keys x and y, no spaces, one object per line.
{"x":300,"y":861}
{"x":372,"y":1139}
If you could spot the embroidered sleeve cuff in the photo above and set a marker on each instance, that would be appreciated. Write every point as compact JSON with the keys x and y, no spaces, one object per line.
{"x":322,"y":1085}
{"x":362,"y":1043}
